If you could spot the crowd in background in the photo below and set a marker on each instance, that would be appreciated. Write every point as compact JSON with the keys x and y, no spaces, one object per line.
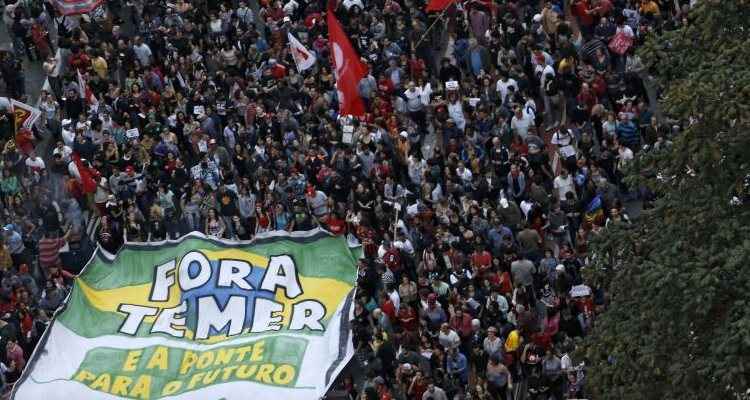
{"x":492,"y":151}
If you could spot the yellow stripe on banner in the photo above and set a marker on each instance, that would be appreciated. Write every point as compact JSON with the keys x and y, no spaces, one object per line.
{"x":110,"y":299}
{"x":257,"y":261}
{"x":328,"y":291}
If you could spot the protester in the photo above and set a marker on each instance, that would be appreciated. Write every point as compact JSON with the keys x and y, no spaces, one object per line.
{"x":484,"y":151}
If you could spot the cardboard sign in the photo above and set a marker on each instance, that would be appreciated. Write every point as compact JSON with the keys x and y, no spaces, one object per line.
{"x":132,"y":133}
{"x":451,"y":85}
{"x":198,"y":110}
{"x":348,"y":135}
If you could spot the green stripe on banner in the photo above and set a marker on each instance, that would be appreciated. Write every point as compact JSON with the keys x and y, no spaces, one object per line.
{"x":157,"y":371}
{"x":85,"y":320}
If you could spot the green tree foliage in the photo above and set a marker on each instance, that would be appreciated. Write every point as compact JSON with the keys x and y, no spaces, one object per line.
{"x":678,"y":322}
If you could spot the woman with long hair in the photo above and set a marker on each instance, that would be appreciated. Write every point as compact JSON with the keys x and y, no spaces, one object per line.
{"x":214,"y":226}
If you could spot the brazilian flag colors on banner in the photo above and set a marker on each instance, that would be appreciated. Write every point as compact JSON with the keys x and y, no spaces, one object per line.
{"x":200,"y":318}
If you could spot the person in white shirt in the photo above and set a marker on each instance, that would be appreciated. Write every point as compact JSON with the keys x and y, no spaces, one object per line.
{"x":395,"y":299}
{"x":520,"y":123}
{"x":464,"y":173}
{"x":142,"y":51}
{"x":562,"y":137}
{"x":63,"y":150}
{"x":563,"y":184}
{"x":413,"y":98}
{"x":404,"y":244}
{"x":36,"y":165}
{"x":566,"y":364}
{"x":68,"y":133}
{"x":503,"y":84}
{"x":426,"y":92}
{"x":350,"y":3}
{"x":624,"y":156}
{"x":448,"y":338}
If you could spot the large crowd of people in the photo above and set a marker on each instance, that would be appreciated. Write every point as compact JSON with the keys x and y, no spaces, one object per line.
{"x":492,"y":151}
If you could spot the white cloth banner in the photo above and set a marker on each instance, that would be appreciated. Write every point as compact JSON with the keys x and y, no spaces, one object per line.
{"x":303,"y":57}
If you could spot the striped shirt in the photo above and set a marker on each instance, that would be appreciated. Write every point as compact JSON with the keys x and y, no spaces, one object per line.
{"x":49,"y":251}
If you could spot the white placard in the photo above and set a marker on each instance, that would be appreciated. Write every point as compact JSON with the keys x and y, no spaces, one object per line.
{"x":132,"y":133}
{"x":451,"y":85}
{"x":580,"y":291}
{"x":348,"y":136}
{"x":197,"y":110}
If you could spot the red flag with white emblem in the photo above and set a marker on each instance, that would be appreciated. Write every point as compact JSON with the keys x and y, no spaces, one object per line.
{"x":349,"y":70}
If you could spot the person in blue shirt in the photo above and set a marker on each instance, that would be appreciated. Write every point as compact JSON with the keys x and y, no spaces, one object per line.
{"x":14,"y":241}
{"x":458,"y":366}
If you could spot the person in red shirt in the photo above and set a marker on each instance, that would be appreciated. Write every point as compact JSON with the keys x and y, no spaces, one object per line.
{"x":418,"y":386}
{"x":383,"y":392}
{"x":336,"y":224}
{"x":408,"y":318}
{"x":24,"y":141}
{"x":387,"y":306}
{"x":481,"y":259}
{"x":416,"y":67}
{"x":461,"y":323}
{"x":278,"y":70}
{"x":580,"y":9}
{"x":392,"y":258}
{"x":600,"y":8}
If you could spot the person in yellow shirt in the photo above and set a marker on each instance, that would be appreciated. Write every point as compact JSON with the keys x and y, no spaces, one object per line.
{"x":650,"y":8}
{"x":6,"y":262}
{"x":99,"y":64}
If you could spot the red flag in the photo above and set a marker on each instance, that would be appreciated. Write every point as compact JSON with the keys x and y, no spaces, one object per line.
{"x":349,"y":70}
{"x":438,"y":5}
{"x":87,"y":177}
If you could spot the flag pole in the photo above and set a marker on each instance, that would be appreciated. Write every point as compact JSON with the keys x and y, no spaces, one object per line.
{"x":439,"y":18}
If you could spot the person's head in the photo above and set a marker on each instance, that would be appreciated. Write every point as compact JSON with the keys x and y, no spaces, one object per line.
{"x":430,"y":384}
{"x":495,"y":359}
{"x":492,"y":332}
{"x":379,"y":383}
